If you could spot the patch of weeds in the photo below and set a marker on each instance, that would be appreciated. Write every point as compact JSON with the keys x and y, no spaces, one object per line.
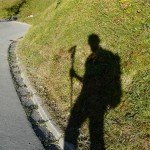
{"x":145,"y":26}
{"x":11,"y":8}
{"x":58,"y":3}
{"x":30,"y":109}
{"x":125,"y":4}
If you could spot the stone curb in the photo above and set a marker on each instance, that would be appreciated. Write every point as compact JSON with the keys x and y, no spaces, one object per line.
{"x":43,"y":125}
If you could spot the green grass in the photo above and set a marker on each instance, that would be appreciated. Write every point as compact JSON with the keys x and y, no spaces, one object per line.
{"x":123,"y":27}
{"x":10,"y":8}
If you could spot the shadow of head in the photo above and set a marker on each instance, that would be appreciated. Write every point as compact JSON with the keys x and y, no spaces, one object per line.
{"x":93,"y":41}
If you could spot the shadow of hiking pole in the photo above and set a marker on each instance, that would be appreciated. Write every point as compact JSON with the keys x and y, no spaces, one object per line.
{"x":72,"y":50}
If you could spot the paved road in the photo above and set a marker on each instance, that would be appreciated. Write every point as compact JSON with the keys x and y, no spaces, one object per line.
{"x":15,"y":131}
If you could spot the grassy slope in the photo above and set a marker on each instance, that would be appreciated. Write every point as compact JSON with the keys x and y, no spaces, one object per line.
{"x":123,"y":27}
{"x":6,"y":4}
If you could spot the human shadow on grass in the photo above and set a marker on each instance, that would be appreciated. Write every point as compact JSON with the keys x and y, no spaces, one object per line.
{"x":101,"y":88}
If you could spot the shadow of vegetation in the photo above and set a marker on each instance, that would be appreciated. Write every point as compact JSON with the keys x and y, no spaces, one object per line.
{"x":15,"y":9}
{"x":101,"y":89}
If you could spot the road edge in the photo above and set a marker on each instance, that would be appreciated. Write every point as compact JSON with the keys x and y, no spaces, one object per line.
{"x":43,"y":125}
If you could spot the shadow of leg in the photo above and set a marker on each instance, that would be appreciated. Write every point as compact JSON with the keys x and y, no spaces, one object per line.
{"x":96,"y":127}
{"x":77,"y":117}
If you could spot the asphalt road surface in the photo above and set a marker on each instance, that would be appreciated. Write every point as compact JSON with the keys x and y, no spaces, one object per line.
{"x":16,"y":132}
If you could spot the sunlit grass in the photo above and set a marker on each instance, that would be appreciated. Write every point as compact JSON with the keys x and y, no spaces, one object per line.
{"x":4,"y":4}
